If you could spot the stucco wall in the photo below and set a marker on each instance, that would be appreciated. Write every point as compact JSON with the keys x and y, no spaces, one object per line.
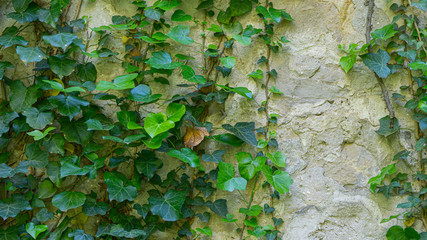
{"x":327,"y":118}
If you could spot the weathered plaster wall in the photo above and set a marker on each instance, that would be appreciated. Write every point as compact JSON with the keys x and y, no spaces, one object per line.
{"x":327,"y":118}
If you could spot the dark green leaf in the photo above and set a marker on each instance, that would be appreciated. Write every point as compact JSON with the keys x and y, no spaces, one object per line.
{"x":219,"y":207}
{"x":214,"y":157}
{"x":385,"y":129}
{"x":68,"y":105}
{"x":384,"y":33}
{"x":240,"y":7}
{"x":147,"y":163}
{"x":75,"y":131}
{"x":61,"y":66}
{"x":186,"y":155}
{"x":21,"y":97}
{"x":162,"y":60}
{"x":81,"y":235}
{"x":244,"y":131}
{"x":10,"y":40}
{"x":229,"y":139}
{"x":21,"y":5}
{"x":37,"y":119}
{"x":13,"y":208}
{"x":87,"y":72}
{"x":36,"y":156}
{"x":180,"y":16}
{"x":421,"y":4}
{"x":169,"y":206}
{"x":46,"y":189}
{"x":398,"y":233}
{"x":60,"y":40}
{"x":116,"y":188}
{"x":377,"y":62}
{"x":29,"y":15}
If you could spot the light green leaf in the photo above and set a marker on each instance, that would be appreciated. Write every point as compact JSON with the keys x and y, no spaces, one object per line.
{"x":377,"y":180}
{"x":347,"y":62}
{"x":37,"y":135}
{"x":180,"y":16}
{"x":228,"y":62}
{"x":377,"y":62}
{"x":278,"y":158}
{"x":384,"y":33}
{"x":169,"y":206}
{"x":116,"y":188}
{"x":156,"y":123}
{"x":189,"y":74}
{"x":186,"y":155}
{"x":206,"y":231}
{"x":179,"y":34}
{"x":280,"y":180}
{"x":175,"y":111}
{"x":248,"y":167}
{"x":37,"y":119}
{"x":68,"y":200}
{"x":154,"y":14}
{"x":254,"y":211}
{"x":226,"y":180}
{"x":274,"y":89}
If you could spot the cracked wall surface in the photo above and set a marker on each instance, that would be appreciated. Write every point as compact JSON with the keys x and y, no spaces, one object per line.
{"x":327,"y":118}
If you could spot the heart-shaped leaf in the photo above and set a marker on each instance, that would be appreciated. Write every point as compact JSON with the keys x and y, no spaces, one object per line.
{"x":169,"y":206}
{"x":68,"y":200}
{"x":156,"y":123}
{"x":37,"y":119}
{"x":280,"y":180}
{"x":226,"y":180}
{"x":186,"y":155}
{"x":377,"y":62}
{"x":116,"y":188}
{"x":179,"y":34}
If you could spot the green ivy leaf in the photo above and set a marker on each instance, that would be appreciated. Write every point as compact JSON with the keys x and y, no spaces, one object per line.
{"x":347,"y":62}
{"x":68,"y":105}
{"x":186,"y":155}
{"x":248,"y":166}
{"x":70,"y":169}
{"x":36,"y":157}
{"x":154,"y":14}
{"x":385,"y":129}
{"x":3,"y":67}
{"x":422,"y":4}
{"x":229,"y":139}
{"x":92,"y":208}
{"x":80,"y":235}
{"x":8,"y":40}
{"x":46,"y":189}
{"x":278,"y":158}
{"x":87,"y":72}
{"x":398,"y":233}
{"x":275,"y":90}
{"x":68,"y":200}
{"x":377,"y":62}
{"x":175,"y":111}
{"x":169,"y":206}
{"x":219,"y":207}
{"x":21,"y":5}
{"x":180,"y":16}
{"x":50,"y":16}
{"x":189,"y":74}
{"x":244,"y":131}
{"x":162,"y":60}
{"x":240,"y":7}
{"x":147,"y":163}
{"x":61,"y":66}
{"x":117,"y":230}
{"x":121,"y":82}
{"x":214,"y":157}
{"x":228,"y":62}
{"x":37,"y":135}
{"x":205,"y":5}
{"x":206,"y":231}
{"x":30,"y":54}
{"x":29,"y":15}
{"x":116,"y":188}
{"x":179,"y":34}
{"x":242,"y":91}
{"x":75,"y":131}
{"x":168,"y":5}
{"x":22,"y":97}
{"x":257,"y":74}
{"x":13,"y":208}
{"x":156,"y":123}
{"x":280,"y":180}
{"x":226,"y":180}
{"x":377,"y":180}
{"x":37,"y":119}
{"x":60,"y":40}
{"x":411,"y":54}
{"x":384,"y":33}
{"x":254,"y":211}
{"x":5,"y":120}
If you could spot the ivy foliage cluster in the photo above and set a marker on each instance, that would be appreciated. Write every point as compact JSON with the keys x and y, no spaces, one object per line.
{"x":68,"y":142}
{"x":400,"y":48}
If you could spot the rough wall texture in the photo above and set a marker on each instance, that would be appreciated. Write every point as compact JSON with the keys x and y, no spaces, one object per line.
{"x":327,"y":118}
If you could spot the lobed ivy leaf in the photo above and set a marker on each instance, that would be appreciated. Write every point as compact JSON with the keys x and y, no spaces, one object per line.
{"x":69,"y":105}
{"x":61,"y":66}
{"x":46,"y":189}
{"x":8,"y":40}
{"x":248,"y":166}
{"x":180,"y":16}
{"x":87,"y":72}
{"x":216,"y":156}
{"x":29,"y":15}
{"x":5,"y":120}
{"x":186,"y":155}
{"x":229,"y":139}
{"x":37,"y":119}
{"x":169,"y":206}
{"x":147,"y":163}
{"x":14,"y":207}
{"x":179,"y":34}
{"x":68,"y":200}
{"x":22,"y":97}
{"x":384,"y":33}
{"x":226,"y":180}
{"x":278,"y":158}
{"x":60,"y":40}
{"x":116,"y":188}
{"x":92,"y":208}
{"x":280,"y":180}
{"x":244,"y":131}
{"x":162,"y":60}
{"x":377,"y":62}
{"x":36,"y":157}
{"x":80,"y":235}
{"x":154,"y":14}
{"x":75,"y":131}
{"x":255,"y":210}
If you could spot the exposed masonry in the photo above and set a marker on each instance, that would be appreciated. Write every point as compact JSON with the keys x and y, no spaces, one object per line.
{"x":327,"y":122}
